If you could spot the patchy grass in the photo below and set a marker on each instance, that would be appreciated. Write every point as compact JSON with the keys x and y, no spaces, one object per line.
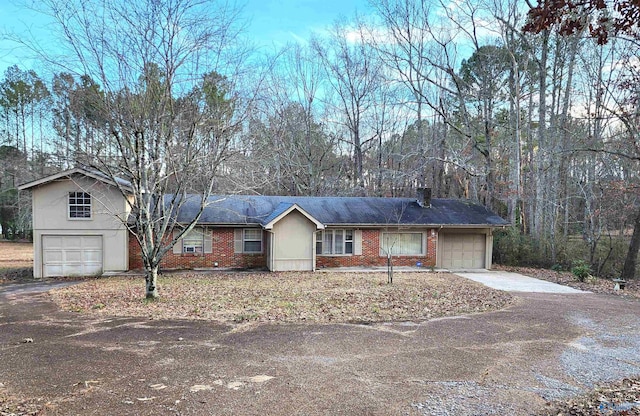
{"x":285,"y":297}
{"x":594,"y":284}
{"x":16,"y":260}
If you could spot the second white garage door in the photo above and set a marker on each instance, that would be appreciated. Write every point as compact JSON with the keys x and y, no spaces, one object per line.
{"x":463,"y":251}
{"x":71,"y":255}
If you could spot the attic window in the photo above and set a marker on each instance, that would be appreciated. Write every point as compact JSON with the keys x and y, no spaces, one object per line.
{"x":79,"y":205}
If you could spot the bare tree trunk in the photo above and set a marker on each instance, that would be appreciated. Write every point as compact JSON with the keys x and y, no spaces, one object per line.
{"x":151,"y":280}
{"x":540,"y":165}
{"x":629,"y":268}
{"x":515,"y":165}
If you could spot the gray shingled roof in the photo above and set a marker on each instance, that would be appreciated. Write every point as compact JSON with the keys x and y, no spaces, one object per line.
{"x":258,"y":210}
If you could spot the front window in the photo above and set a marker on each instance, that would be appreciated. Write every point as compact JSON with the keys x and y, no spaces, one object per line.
{"x":252,"y":241}
{"x":401,"y":244}
{"x":193,"y":242}
{"x":334,"y":242}
{"x":79,"y":205}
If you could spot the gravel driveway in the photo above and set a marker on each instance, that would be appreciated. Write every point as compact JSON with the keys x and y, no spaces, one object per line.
{"x":545,"y":346}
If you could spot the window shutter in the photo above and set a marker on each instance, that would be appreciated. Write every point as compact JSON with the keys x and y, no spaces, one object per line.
{"x":208,"y":242}
{"x":357,"y":242}
{"x":237,"y":240}
{"x":177,"y":247}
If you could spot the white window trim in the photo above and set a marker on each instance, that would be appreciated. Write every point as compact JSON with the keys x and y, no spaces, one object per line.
{"x":423,"y":244}
{"x":69,"y":217}
{"x":244,"y":240}
{"x":184,"y":246}
{"x":333,"y":245}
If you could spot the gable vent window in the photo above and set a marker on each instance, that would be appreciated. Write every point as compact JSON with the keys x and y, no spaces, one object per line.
{"x":79,"y":205}
{"x":334,"y":242}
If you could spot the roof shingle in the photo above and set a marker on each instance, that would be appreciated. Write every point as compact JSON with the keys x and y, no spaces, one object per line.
{"x":258,"y":209}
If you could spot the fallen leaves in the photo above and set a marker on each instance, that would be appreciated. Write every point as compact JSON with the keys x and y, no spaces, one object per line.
{"x":286,"y":297}
{"x":595,"y":285}
{"x":16,"y":261}
{"x":619,"y":398}
{"x":15,"y":406}
{"x":231,"y":385}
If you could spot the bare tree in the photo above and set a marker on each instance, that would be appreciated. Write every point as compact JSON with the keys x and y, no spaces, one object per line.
{"x":354,"y":75}
{"x":168,"y":104}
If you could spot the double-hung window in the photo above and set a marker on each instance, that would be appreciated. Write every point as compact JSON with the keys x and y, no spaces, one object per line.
{"x":193,"y":242}
{"x":401,"y":244}
{"x":79,"y":205}
{"x":330,"y":242}
{"x":252,"y":241}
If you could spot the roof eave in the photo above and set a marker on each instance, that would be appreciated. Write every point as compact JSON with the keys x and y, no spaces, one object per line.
{"x":426,"y":225}
{"x":270,"y":224}
{"x":67,"y":174}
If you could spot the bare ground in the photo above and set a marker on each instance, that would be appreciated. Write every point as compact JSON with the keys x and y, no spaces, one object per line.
{"x":235,"y":298}
{"x":16,"y":260}
{"x":288,"y":297}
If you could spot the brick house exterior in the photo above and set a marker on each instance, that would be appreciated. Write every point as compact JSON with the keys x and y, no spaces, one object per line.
{"x":223,"y":256}
{"x":80,"y":217}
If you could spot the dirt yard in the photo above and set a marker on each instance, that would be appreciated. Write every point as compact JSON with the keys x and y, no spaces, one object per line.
{"x":239,"y":298}
{"x":15,"y":255}
{"x":16,"y":260}
{"x":247,"y":300}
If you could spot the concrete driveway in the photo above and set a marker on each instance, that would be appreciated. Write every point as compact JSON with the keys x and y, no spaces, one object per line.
{"x":515,"y":282}
{"x":511,"y":361}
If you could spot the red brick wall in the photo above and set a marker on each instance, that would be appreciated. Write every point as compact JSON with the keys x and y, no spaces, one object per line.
{"x":371,"y":254}
{"x":222,"y":253}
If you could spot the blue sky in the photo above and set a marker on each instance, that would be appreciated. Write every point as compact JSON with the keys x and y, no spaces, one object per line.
{"x":270,"y":23}
{"x":282,"y":21}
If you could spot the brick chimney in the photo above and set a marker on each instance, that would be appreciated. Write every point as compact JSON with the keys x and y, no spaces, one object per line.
{"x":424,"y":197}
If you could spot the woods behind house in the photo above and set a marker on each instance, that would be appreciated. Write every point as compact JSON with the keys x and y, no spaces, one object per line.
{"x":542,"y":126}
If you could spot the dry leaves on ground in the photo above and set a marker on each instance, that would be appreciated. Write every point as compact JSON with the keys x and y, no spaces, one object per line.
{"x":16,"y":261}
{"x":595,"y":285}
{"x":620,"y":398}
{"x":13,"y":406}
{"x":286,"y":297}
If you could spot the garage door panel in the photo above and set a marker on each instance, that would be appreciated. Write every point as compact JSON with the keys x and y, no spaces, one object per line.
{"x":54,"y":242}
{"x":70,"y":255}
{"x":53,"y":270}
{"x":73,"y":255}
{"x":93,"y":256}
{"x":463,"y":251}
{"x":73,"y":270}
{"x":51,"y":256}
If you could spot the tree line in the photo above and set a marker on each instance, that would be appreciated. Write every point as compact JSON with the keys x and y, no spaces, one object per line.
{"x":532,"y":114}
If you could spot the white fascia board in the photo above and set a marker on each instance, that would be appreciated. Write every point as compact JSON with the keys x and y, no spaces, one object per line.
{"x":270,"y":224}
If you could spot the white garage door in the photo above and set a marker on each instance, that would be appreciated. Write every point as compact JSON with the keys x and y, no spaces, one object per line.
{"x":463,"y":251}
{"x":71,"y":255}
